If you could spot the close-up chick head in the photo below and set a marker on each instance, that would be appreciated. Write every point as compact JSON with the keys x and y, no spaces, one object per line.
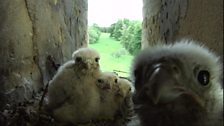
{"x":87,"y":58}
{"x":165,"y":72}
{"x":107,"y":81}
{"x":184,"y":75}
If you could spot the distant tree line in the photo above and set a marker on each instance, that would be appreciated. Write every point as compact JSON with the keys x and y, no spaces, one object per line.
{"x":126,"y":31}
{"x":94,"y":33}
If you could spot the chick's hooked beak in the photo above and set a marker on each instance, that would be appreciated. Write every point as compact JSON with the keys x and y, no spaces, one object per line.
{"x":164,"y":85}
{"x":90,"y":63}
{"x":86,"y":63}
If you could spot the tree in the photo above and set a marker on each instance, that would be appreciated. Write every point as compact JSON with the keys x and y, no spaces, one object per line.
{"x":117,"y":32}
{"x":94,"y":33}
{"x":131,"y":37}
{"x":117,"y":28}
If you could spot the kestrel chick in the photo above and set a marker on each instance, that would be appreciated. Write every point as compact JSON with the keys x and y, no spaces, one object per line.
{"x":87,"y":59}
{"x":178,"y":85}
{"x":73,"y":92}
{"x":116,"y":103}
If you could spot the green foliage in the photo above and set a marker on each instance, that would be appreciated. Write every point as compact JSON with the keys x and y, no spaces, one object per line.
{"x":117,"y":28}
{"x":111,"y":30}
{"x":94,"y":33}
{"x":112,"y":55}
{"x":119,"y":53}
{"x":131,"y":37}
{"x":126,"y":31}
{"x":104,"y":29}
{"x":129,"y":33}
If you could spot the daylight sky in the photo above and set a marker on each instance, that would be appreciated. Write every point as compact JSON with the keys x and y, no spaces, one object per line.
{"x":106,"y":12}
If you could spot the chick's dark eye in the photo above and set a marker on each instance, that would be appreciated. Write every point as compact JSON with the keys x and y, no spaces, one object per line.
{"x":115,"y":80}
{"x":78,"y":59}
{"x":203,"y":77}
{"x":97,"y":59}
{"x":100,"y":80}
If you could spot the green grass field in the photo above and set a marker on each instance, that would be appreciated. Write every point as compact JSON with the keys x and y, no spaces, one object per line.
{"x":113,"y":55}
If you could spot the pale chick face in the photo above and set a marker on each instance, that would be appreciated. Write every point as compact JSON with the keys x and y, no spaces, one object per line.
{"x":107,"y":81}
{"x":86,"y":58}
{"x":125,"y":88}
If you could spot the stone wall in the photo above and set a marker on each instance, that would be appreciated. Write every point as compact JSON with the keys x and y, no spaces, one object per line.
{"x":35,"y":36}
{"x":170,"y":20}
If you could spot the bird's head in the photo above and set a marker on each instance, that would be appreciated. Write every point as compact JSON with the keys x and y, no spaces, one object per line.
{"x":107,"y":81}
{"x":124,"y":88}
{"x":86,"y":58}
{"x":178,"y":72}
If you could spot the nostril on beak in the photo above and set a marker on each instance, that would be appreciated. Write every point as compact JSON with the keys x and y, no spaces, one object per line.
{"x":176,"y":70}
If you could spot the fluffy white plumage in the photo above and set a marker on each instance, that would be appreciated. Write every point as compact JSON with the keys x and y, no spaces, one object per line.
{"x":178,"y":84}
{"x":108,"y":84}
{"x":116,"y":103}
{"x":88,"y":59}
{"x":72,"y":91}
{"x":81,"y":93}
{"x":124,"y":96}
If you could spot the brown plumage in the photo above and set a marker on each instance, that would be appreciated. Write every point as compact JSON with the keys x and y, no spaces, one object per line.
{"x":178,"y":85}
